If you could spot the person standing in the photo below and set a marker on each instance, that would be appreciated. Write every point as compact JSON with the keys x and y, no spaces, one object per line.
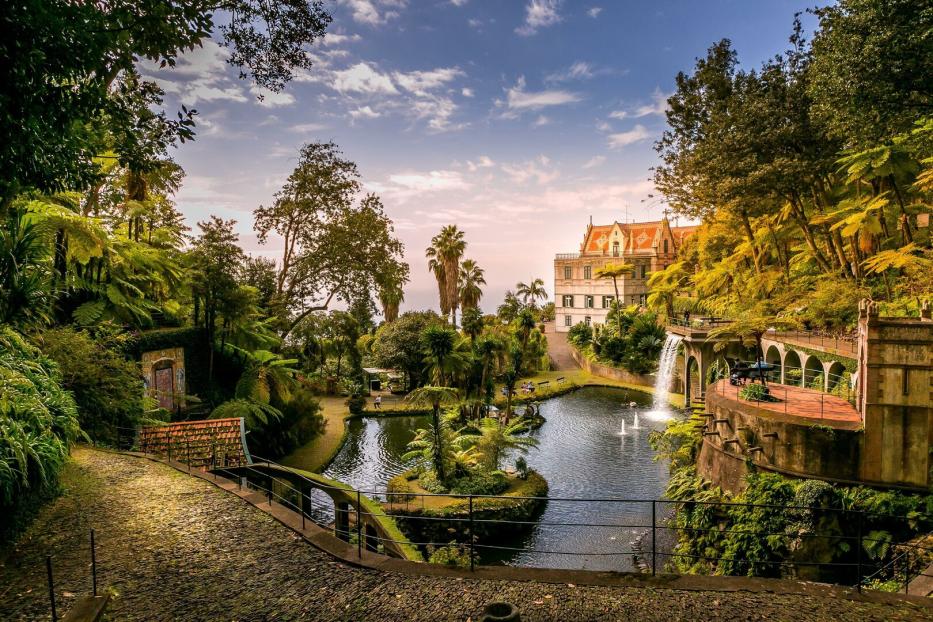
{"x":377,"y":402}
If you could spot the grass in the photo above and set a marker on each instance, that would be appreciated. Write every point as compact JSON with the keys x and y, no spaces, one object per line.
{"x":317,"y":454}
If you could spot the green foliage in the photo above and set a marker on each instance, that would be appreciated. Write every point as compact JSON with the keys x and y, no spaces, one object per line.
{"x":580,"y":334}
{"x":453,"y":555}
{"x":481,"y":483}
{"x":300,"y":421}
{"x":107,"y":388}
{"x":38,"y":423}
{"x":754,"y":392}
{"x":638,"y":345}
{"x":255,"y":414}
{"x":398,"y":344}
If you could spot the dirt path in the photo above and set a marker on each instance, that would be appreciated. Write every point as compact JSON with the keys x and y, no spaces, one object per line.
{"x":173,"y":547}
{"x":320,"y":451}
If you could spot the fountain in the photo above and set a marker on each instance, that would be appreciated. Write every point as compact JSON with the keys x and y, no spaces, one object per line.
{"x":635,"y":425}
{"x":661,"y":408}
{"x":622,"y":431}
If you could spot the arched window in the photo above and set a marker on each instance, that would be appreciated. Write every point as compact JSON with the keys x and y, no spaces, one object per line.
{"x":615,"y":249}
{"x":665,"y":247}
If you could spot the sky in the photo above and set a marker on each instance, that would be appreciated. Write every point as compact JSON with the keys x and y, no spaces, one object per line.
{"x":517,"y":120}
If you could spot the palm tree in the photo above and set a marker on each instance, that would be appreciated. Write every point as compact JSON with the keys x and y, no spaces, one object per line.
{"x":531,"y":292}
{"x":471,"y":321}
{"x":444,"y":356}
{"x":435,"y":396}
{"x":497,"y":438}
{"x":449,"y":246}
{"x":510,"y":307}
{"x":614,"y":271}
{"x":471,"y":277}
{"x":436,"y":266}
{"x":268,"y":378}
{"x":391,"y":295}
{"x":664,"y":285}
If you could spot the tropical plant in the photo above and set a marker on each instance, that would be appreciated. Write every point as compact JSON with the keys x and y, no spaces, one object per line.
{"x":447,"y":248}
{"x":435,"y":396}
{"x":444,"y":356}
{"x":470,"y":278}
{"x":496,"y":439}
{"x":531,"y":292}
{"x":615,"y":271}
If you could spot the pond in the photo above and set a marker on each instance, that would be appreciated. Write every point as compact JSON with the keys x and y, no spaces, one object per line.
{"x":581,"y":454}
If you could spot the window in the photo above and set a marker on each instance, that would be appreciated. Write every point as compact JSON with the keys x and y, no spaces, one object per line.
{"x":587,"y":272}
{"x":568,"y":320}
{"x":665,"y":247}
{"x":568,"y":302}
{"x":588,"y":302}
{"x":588,"y":320}
{"x":643,"y":299}
{"x":607,"y":302}
{"x":906,"y":380}
{"x":644,"y":270}
{"x":568,"y":272}
{"x":615,"y":249}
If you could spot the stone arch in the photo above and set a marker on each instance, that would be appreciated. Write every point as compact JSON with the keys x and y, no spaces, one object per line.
{"x":834,"y":375}
{"x":813,"y":374}
{"x":773,"y":357}
{"x":792,"y":369}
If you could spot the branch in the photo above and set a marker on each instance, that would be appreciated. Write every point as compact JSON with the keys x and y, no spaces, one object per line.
{"x":306,"y":313}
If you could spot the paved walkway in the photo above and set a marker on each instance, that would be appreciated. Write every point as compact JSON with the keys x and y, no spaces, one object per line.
{"x":797,"y":401}
{"x":173,"y":547}
{"x":558,"y":349}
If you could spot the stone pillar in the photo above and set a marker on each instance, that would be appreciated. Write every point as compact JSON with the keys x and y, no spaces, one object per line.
{"x":342,"y":520}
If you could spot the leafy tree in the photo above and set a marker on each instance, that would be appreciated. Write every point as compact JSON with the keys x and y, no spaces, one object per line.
{"x":496,"y":439}
{"x":472,"y":323}
{"x":107,"y":388}
{"x":332,"y":247}
{"x":509,"y":308}
{"x":444,"y":356}
{"x":267,"y":379}
{"x":398,"y":345}
{"x":871,"y":67}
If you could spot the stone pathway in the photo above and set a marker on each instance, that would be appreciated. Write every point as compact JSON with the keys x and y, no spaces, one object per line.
{"x":558,"y":349}
{"x":174,"y":547}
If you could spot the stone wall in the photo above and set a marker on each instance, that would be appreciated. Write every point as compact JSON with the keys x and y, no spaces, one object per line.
{"x":895,"y":396}
{"x":789,"y":445}
{"x":614,"y":373}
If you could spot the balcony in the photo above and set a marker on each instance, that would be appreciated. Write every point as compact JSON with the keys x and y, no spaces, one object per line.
{"x":567,"y":256}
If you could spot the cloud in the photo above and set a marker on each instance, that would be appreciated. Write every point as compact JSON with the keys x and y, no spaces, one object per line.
{"x":658,"y":106}
{"x":361,"y":78}
{"x":541,"y":120}
{"x":474,"y":23}
{"x":518,"y":98}
{"x":577,"y":71}
{"x":538,"y":169}
{"x":467,"y":92}
{"x":459,"y":2}
{"x":404,"y":186}
{"x":594,"y":11}
{"x":539,"y":14}
{"x":481,"y":162}
{"x":270,"y":99}
{"x":437,"y":111}
{"x":594,"y":162}
{"x":307,"y":128}
{"x":373,"y":12}
{"x":365,"y":112}
{"x":334,"y":38}
{"x":420,"y":82}
{"x":199,"y":75}
{"x":636,"y":134}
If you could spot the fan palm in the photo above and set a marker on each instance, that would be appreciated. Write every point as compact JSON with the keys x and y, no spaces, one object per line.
{"x":444,"y":356}
{"x":614,"y":271}
{"x":531,"y":292}
{"x":497,"y":438}
{"x":391,"y":295}
{"x":471,"y":277}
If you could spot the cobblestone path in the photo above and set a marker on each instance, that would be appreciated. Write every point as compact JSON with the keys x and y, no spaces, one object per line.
{"x":175,"y":548}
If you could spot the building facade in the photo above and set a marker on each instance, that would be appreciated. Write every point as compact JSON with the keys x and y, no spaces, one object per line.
{"x":579,"y":296}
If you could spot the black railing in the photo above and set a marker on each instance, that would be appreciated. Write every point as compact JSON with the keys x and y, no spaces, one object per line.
{"x":470,"y":524}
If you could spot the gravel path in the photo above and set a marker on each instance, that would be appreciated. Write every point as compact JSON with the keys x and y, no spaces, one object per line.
{"x":173,"y":547}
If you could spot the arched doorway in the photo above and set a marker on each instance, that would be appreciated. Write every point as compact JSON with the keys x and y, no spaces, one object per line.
{"x":693,"y":388}
{"x":793,"y":370}
{"x":838,"y":380}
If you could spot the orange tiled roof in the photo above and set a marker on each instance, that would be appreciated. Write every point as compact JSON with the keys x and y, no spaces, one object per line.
{"x":638,"y":236}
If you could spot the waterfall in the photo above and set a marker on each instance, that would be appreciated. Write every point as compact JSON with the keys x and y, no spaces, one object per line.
{"x":662,"y":383}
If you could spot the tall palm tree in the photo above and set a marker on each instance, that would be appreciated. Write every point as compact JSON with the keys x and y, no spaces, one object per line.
{"x":444,"y":356}
{"x":531,"y":292}
{"x":471,"y":277}
{"x":436,"y":266}
{"x":391,"y":295}
{"x":450,"y":245}
{"x":614,"y":271}
{"x":435,"y":396}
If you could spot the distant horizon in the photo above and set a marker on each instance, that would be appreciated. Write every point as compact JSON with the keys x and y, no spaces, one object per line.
{"x":516,"y":125}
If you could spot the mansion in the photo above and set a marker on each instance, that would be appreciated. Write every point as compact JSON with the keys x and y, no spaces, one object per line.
{"x":581,"y":297}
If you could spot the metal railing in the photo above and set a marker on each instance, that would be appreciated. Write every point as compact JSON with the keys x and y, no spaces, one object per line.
{"x":471,"y":525}
{"x":50,"y":577}
{"x":843,"y":345}
{"x":698,"y":322}
{"x":793,"y":399}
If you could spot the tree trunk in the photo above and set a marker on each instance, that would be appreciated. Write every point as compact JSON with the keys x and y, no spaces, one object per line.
{"x":905,"y":218}
{"x":615,"y":286}
{"x":800,"y":217}
{"x":438,"y":450}
{"x":750,"y":234}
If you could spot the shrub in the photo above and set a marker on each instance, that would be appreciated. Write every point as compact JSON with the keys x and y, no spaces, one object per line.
{"x":754,"y":392}
{"x":580,"y":334}
{"x":107,"y":388}
{"x":521,"y":465}
{"x":454,"y":555}
{"x":481,"y":483}
{"x":356,"y":404}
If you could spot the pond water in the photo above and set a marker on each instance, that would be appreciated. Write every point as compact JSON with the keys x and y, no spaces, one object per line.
{"x":581,"y":454}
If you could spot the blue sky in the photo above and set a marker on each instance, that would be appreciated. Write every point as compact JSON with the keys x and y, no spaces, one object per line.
{"x":515,"y":119}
